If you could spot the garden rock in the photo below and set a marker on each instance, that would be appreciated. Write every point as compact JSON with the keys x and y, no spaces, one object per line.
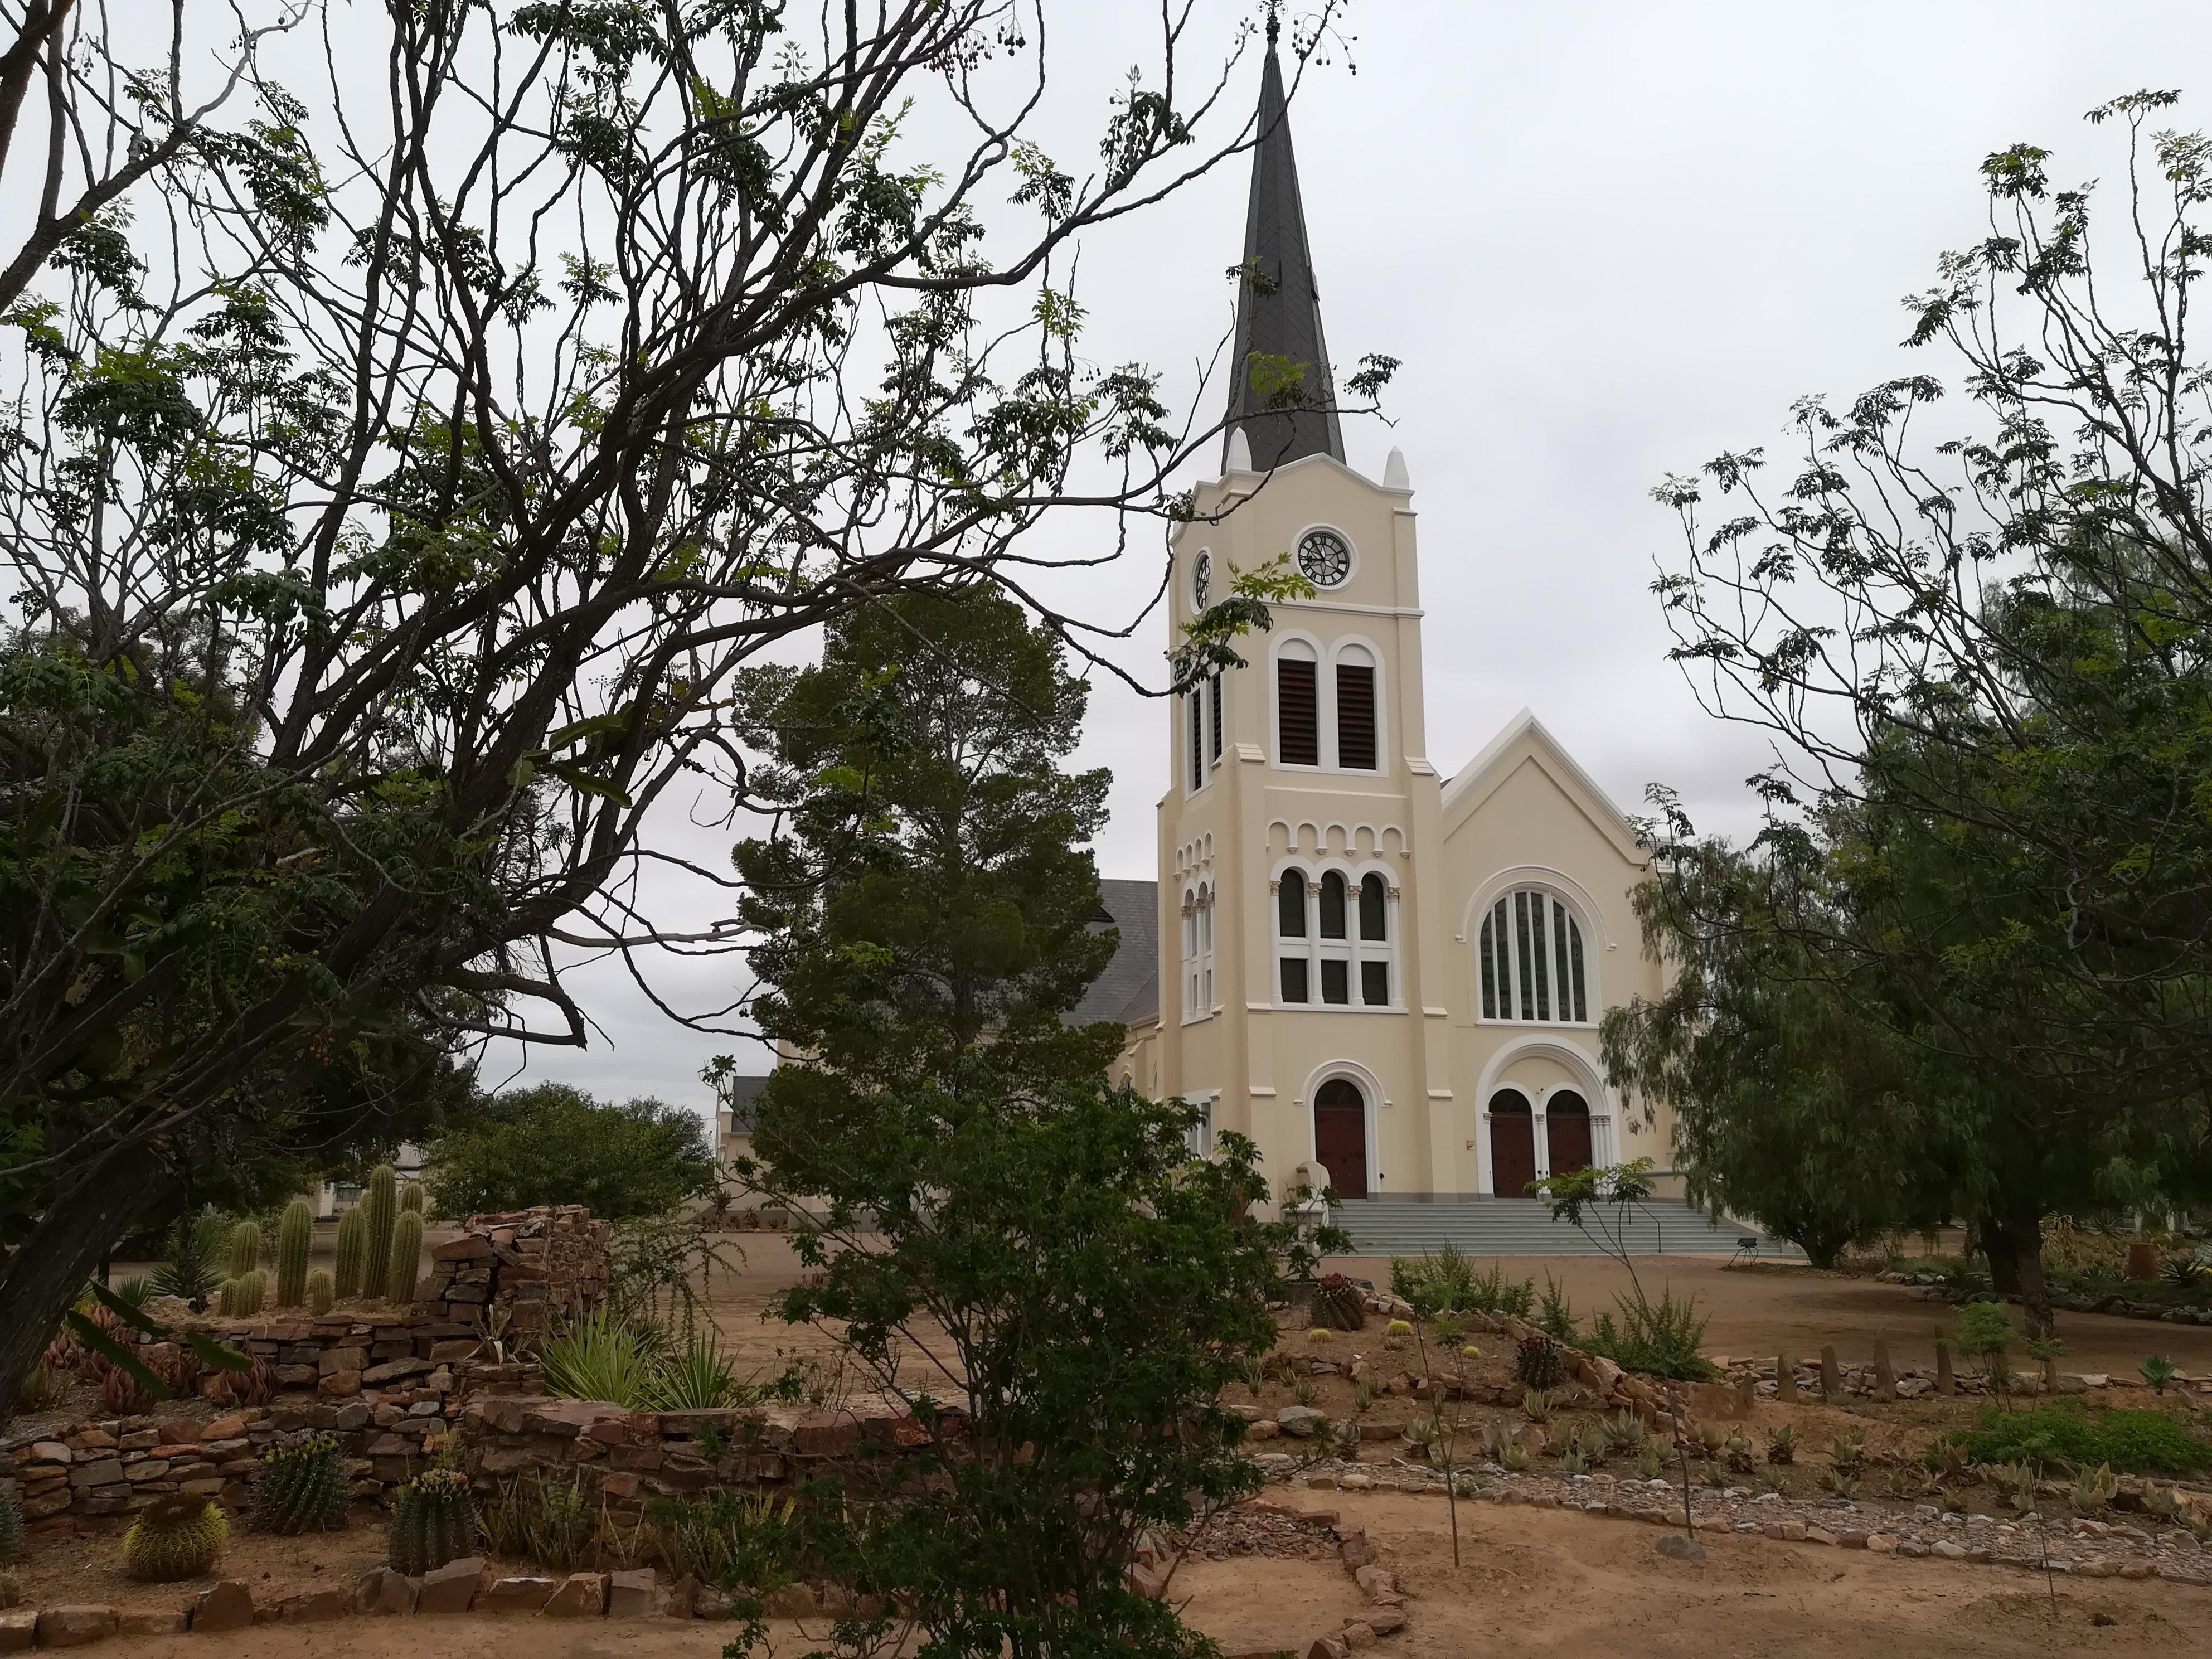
{"x":1386,"y":1621}
{"x":581,"y":1595}
{"x":630,"y":1595}
{"x":19,"y":1630}
{"x":226,"y":1606}
{"x":75,"y":1627}
{"x":452,"y":1588}
{"x":1328,"y":1647}
{"x":382,"y":1592}
{"x":1676,"y":1547}
{"x":799,"y":1601}
{"x":312,"y":1607}
{"x":519,"y":1594}
{"x":151,"y":1621}
{"x":1299,"y":1420}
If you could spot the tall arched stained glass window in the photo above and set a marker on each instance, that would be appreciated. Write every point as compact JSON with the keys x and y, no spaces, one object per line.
{"x":1529,"y":957}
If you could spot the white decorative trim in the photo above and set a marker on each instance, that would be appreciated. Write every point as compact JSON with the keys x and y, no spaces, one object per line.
{"x":1371,"y":1095}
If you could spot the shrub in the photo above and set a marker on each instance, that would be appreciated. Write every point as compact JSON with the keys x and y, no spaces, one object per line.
{"x":1661,"y":1338}
{"x":2133,"y":1443}
{"x":553,"y":1144}
{"x":177,"y":1537}
{"x":544,"y":1519}
{"x":1555,"y":1315}
{"x":733,"y":1541}
{"x":2159,"y":1371}
{"x":600,"y":1357}
{"x":301,"y":1489}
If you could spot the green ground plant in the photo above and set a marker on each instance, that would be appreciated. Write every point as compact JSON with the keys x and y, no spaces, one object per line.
{"x":2062,"y":1431}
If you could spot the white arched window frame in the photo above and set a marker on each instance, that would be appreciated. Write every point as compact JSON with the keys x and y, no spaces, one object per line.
{"x":1330,"y":688}
{"x":1349,"y":971}
{"x":1534,"y":960}
{"x":1198,"y":992}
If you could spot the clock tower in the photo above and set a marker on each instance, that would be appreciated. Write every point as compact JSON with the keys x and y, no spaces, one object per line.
{"x":1301,"y":980}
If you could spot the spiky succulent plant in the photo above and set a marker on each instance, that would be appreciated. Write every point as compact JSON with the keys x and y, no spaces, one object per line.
{"x":301,"y":1488}
{"x":434,"y":1521}
{"x":322,"y":1291}
{"x":178,"y":1537}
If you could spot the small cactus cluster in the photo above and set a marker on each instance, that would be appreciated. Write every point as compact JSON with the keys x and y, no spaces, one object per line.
{"x":296,"y":1235}
{"x":11,"y":1528}
{"x":245,"y":1253}
{"x":301,"y":1488}
{"x":322,"y":1291}
{"x":177,"y":1537}
{"x":353,"y":1252}
{"x":1538,"y":1364}
{"x":380,"y":1203}
{"x":1340,"y":1304}
{"x":239,"y":1297}
{"x":434,"y":1521}
{"x":406,"y":1257}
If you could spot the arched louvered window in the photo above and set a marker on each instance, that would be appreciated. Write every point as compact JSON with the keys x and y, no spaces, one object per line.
{"x":1297,"y":705}
{"x":1321,"y":957}
{"x":1530,"y":955}
{"x":1371,"y":907}
{"x":1355,"y":709}
{"x":1291,"y":905}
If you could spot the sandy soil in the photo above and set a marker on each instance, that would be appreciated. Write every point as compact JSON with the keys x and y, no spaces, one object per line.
{"x":1533,"y":1583}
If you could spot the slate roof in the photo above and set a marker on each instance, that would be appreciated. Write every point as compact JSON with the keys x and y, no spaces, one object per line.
{"x":1128,"y":990}
{"x":744,"y":1101}
{"x":1279,"y":315}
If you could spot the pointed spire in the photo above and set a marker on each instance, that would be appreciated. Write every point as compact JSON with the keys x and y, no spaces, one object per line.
{"x":1278,"y":303}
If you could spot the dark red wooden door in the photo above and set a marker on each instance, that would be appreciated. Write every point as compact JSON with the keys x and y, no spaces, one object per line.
{"x":1512,"y":1145}
{"x":1567,"y":1132}
{"x":1340,"y":1137}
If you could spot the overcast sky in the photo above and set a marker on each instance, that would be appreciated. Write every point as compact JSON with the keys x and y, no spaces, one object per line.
{"x":1608,"y":241}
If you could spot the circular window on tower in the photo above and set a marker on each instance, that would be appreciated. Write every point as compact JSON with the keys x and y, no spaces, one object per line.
{"x":1201,"y":580}
{"x":1325,"y":557}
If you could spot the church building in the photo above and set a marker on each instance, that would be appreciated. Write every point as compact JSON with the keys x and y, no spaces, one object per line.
{"x":1389,"y":977}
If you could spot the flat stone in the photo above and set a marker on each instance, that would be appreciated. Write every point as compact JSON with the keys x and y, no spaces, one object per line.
{"x":1328,"y":1647}
{"x":382,"y":1591}
{"x":1358,"y":1634}
{"x":1948,"y":1550}
{"x":75,"y":1627}
{"x":151,"y":1621}
{"x":519,"y":1593}
{"x":799,"y":1601}
{"x":1792,"y":1532}
{"x":452,"y":1588}
{"x":225,"y":1606}
{"x":1882,"y":1543}
{"x":223,"y":1428}
{"x":19,"y":1630}
{"x":584,"y":1595}
{"x":1676,"y":1547}
{"x":103,"y":1472}
{"x":51,"y":1451}
{"x":1819,"y":1536}
{"x":1385,"y":1621}
{"x":1299,"y":1420}
{"x":312,"y":1606}
{"x":630,"y":1595}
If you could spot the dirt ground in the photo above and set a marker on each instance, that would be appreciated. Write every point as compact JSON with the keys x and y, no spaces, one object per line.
{"x":1533,"y":1583}
{"x":1752,"y":1313}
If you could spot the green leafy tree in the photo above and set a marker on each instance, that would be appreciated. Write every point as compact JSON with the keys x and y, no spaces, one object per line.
{"x":555,"y":1144}
{"x":992,"y":1226}
{"x":387,"y":542}
{"x":1978,"y":634}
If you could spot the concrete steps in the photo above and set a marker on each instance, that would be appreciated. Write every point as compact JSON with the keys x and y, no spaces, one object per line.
{"x":1512,"y":1227}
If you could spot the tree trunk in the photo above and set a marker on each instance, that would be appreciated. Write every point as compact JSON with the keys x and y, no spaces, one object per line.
{"x":2004,"y":1263}
{"x":2017,"y":1241}
{"x":45,"y":1275}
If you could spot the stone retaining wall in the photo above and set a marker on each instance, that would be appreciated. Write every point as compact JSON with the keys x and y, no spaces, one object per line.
{"x":533,"y":1266}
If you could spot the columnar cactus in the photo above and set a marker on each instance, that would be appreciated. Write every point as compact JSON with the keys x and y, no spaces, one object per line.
{"x":406,"y":1257}
{"x":353,"y":1252}
{"x":239,"y":1297}
{"x":434,"y":1521}
{"x":411,"y":1197}
{"x":177,"y":1537}
{"x":381,"y":1202}
{"x":322,"y":1291}
{"x":301,"y":1489}
{"x":295,"y":1233}
{"x":11,"y":1528}
{"x":245,"y":1249}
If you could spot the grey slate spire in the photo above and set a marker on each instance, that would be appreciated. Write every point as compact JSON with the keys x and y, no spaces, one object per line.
{"x":1279,"y":315}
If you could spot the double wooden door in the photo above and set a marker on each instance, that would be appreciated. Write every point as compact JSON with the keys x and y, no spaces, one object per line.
{"x":1341,"y":1136}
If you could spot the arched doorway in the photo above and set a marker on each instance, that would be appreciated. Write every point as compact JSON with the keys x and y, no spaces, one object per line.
{"x":1567,"y":1131}
{"x":1341,"y":1136}
{"x":1512,"y":1143}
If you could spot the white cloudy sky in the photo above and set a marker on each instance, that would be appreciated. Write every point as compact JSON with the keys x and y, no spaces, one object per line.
{"x":1608,"y":240}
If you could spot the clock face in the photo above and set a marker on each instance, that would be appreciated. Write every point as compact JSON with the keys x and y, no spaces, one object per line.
{"x":1325,"y":557}
{"x":1201,"y":580}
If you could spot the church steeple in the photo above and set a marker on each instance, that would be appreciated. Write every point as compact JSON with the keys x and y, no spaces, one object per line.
{"x":1278,"y":303}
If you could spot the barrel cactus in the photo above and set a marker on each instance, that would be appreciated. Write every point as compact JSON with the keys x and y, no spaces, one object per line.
{"x":406,"y":1257}
{"x":434,"y":1521}
{"x":177,"y":1537}
{"x":353,"y":1252}
{"x":243,"y":1251}
{"x":295,"y":1235}
{"x":322,"y":1291}
{"x":381,"y":1204}
{"x":1340,"y":1304}
{"x":301,"y":1488}
{"x":239,"y":1297}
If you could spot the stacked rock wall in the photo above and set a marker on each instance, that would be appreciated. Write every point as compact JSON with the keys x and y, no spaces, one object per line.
{"x":531,"y":1267}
